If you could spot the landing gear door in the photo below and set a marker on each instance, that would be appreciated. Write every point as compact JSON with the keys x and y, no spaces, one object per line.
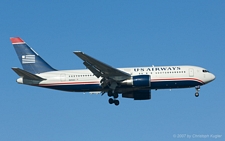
{"x":191,"y":72}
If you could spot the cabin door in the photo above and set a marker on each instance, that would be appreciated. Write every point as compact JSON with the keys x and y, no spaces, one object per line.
{"x":63,"y":77}
{"x":191,"y":72}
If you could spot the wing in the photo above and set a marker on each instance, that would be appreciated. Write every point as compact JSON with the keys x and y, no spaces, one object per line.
{"x":101,"y":69}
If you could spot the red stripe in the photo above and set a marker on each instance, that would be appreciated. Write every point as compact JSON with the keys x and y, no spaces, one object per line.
{"x":16,"y":40}
{"x":180,"y":79}
{"x":70,"y":83}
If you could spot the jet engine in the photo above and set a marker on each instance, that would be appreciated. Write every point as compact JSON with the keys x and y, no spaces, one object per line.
{"x":138,"y":81}
{"x":138,"y":95}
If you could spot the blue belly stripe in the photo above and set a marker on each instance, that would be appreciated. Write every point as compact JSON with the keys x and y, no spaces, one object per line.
{"x":97,"y":87}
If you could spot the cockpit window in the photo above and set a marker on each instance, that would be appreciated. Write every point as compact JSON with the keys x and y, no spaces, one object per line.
{"x":205,"y":71}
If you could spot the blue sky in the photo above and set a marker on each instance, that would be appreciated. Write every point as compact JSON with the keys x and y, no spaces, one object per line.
{"x":121,"y":34}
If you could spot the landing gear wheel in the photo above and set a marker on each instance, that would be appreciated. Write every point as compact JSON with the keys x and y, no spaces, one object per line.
{"x":116,"y":102}
{"x":197,"y":90}
{"x":196,"y":94}
{"x":111,"y":101}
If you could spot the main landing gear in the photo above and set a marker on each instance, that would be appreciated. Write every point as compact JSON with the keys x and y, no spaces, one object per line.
{"x":197,"y":91}
{"x":114,"y":99}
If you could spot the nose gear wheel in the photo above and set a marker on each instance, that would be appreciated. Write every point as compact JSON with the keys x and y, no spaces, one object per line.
{"x":197,"y":91}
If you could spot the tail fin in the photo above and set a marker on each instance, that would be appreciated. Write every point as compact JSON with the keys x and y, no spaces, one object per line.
{"x":29,"y":59}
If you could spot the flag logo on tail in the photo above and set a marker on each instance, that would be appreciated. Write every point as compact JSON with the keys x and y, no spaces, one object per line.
{"x":27,"y":59}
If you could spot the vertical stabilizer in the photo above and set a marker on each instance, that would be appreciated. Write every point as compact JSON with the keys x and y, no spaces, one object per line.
{"x":29,"y":59}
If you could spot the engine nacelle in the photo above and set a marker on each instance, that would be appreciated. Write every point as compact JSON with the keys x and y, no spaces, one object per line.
{"x":138,"y":95}
{"x":138,"y":81}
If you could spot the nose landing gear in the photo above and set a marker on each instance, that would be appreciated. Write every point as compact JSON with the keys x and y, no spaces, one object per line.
{"x":197,"y":91}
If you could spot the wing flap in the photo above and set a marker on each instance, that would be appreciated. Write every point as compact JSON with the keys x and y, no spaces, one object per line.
{"x":96,"y":72}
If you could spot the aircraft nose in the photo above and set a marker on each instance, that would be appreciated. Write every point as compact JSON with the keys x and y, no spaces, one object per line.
{"x":210,"y":77}
{"x":213,"y":76}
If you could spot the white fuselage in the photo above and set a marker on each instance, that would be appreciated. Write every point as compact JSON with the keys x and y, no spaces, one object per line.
{"x":162,"y":77}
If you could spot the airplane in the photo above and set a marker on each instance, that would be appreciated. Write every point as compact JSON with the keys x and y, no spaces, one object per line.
{"x":101,"y":78}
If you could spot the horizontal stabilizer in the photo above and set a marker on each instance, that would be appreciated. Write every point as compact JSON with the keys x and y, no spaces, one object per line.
{"x":27,"y":75}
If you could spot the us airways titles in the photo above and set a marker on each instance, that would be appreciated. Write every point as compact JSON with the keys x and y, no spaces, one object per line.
{"x":157,"y":69}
